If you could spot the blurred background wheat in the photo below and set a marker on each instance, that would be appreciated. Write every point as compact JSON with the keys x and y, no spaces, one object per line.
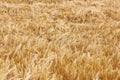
{"x":59,"y":39}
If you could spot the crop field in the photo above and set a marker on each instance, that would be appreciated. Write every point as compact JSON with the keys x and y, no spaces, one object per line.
{"x":59,"y":39}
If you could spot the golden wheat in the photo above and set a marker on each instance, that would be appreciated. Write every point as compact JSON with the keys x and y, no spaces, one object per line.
{"x":59,"y":40}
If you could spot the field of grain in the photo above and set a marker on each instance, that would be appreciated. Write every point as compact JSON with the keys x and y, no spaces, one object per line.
{"x":59,"y":39}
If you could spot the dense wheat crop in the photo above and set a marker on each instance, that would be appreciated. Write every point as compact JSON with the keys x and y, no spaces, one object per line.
{"x":59,"y":39}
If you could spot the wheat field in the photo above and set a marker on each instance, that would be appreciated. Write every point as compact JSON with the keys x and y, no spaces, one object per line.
{"x":59,"y":39}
